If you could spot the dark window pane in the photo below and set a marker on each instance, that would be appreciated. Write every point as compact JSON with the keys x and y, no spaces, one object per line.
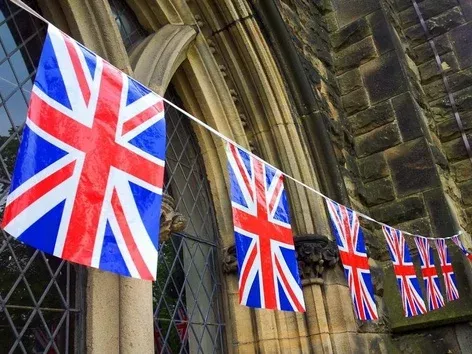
{"x":39,"y":309}
{"x":130,"y":29}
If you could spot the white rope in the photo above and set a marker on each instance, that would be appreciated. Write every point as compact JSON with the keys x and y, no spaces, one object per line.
{"x":228,"y":140}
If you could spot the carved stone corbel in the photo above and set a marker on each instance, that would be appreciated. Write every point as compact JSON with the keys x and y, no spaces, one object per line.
{"x":230,"y":263}
{"x":315,"y":253}
{"x":171,"y":220}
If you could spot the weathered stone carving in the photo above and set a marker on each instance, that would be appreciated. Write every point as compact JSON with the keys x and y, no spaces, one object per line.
{"x":171,"y":220}
{"x":315,"y":253}
{"x":230,"y":263}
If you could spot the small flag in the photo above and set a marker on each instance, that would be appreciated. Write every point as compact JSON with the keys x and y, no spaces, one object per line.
{"x":407,"y":281}
{"x":350,"y":240}
{"x":87,"y":184}
{"x":267,"y":264}
{"x":446,"y":267}
{"x":459,"y":244}
{"x":430,"y":275}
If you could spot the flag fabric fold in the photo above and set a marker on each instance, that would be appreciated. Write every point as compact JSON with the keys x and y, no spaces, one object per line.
{"x":352,"y":251}
{"x":87,"y":183}
{"x":434,"y":297}
{"x":267,"y":264}
{"x":412,"y":301}
{"x":448,"y":272}
{"x":459,"y":244}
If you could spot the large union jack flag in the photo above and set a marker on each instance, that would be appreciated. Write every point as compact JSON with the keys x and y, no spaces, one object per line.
{"x":459,"y":244}
{"x":88,"y":178}
{"x":268,"y":272}
{"x":429,"y":273}
{"x":350,"y":240}
{"x":448,"y":272}
{"x":407,"y":281}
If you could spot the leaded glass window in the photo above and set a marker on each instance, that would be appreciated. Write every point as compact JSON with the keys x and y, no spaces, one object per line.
{"x":187,"y":293}
{"x":41,"y":298}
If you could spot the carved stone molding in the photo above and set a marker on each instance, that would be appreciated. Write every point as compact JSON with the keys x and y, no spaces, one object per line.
{"x":171,"y":220}
{"x":230,"y":263}
{"x":315,"y":253}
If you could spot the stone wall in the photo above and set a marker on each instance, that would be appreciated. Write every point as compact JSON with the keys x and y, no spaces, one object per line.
{"x":395,"y":138}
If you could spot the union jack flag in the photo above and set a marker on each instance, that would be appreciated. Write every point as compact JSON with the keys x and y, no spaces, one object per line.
{"x":459,"y":244}
{"x":350,"y":240}
{"x":446,"y":267}
{"x":430,"y":275}
{"x":407,"y":281}
{"x":87,"y":184}
{"x":268,"y":272}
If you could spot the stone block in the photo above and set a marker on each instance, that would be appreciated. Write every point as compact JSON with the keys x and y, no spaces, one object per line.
{"x":349,"y":11}
{"x":378,"y":192}
{"x":354,"y":55}
{"x":374,"y":117}
{"x":461,"y":38}
{"x":442,"y":221}
{"x":455,"y":149}
{"x":466,"y":6}
{"x":466,"y":192}
{"x":428,"y":9}
{"x":409,"y":116}
{"x":415,"y":34}
{"x":355,"y":101}
{"x":350,"y":81}
{"x":424,"y":52}
{"x":449,"y":129}
{"x":377,"y":140}
{"x":462,"y":170}
{"x":373,"y":167}
{"x":463,"y":99}
{"x":380,"y":31}
{"x":446,"y":21}
{"x":429,"y":71}
{"x":412,"y":167}
{"x":420,"y":226}
{"x":383,"y":77}
{"x":400,"y":210}
{"x":350,"y":34}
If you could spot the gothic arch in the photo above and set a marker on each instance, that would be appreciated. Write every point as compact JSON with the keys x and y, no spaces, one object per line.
{"x":224,"y":72}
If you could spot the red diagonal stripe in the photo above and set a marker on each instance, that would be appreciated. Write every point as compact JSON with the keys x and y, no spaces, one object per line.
{"x":79,"y":70}
{"x":143,"y":117}
{"x":247,"y":270}
{"x":292,"y":295}
{"x":37,"y":191}
{"x":138,"y":260}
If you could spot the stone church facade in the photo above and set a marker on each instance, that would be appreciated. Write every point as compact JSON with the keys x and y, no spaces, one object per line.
{"x":345,"y":95}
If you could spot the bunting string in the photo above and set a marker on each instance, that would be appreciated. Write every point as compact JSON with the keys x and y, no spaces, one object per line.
{"x":228,"y":140}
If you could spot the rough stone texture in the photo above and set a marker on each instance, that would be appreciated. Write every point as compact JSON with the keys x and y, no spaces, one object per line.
{"x":430,"y":71}
{"x":461,"y":38}
{"x":466,"y":192}
{"x":380,"y":31}
{"x":373,"y":167}
{"x":440,"y":213}
{"x":350,"y":34}
{"x":423,"y":52}
{"x":428,"y":8}
{"x":348,"y":11}
{"x":409,"y":117}
{"x":462,"y":170}
{"x":354,"y":55}
{"x":372,"y":118}
{"x":377,"y":140}
{"x":383,"y":77}
{"x":400,"y":210}
{"x":378,"y":192}
{"x":442,"y":23}
{"x":449,"y":129}
{"x":350,"y":81}
{"x":355,"y":101}
{"x":412,"y":167}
